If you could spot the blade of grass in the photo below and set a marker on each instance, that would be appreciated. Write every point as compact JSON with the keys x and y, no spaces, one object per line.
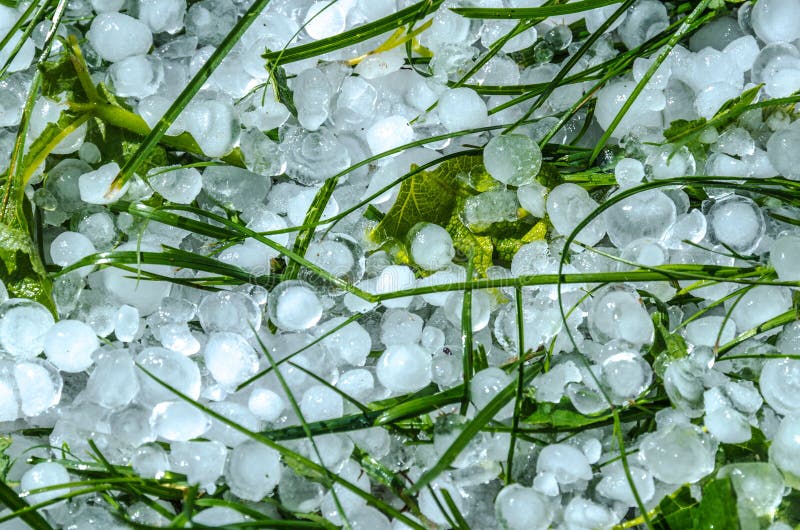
{"x":532,"y":12}
{"x":15,"y":503}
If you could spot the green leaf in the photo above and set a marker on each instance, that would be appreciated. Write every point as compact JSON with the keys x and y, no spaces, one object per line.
{"x":428,"y":196}
{"x":20,"y":267}
{"x":5,"y":460}
{"x":59,"y":80}
{"x":119,"y":145}
{"x":479,"y":248}
{"x":753,"y":450}
{"x":282,"y":90}
{"x":553,"y":416}
{"x":675,"y":510}
{"x":717,"y":509}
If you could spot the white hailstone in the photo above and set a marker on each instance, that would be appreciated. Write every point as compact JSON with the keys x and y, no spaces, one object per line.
{"x":231,"y":311}
{"x":780,"y":385}
{"x":113,"y":382}
{"x":126,"y":323}
{"x":532,"y":198}
{"x":229,"y":358}
{"x":138,"y":76}
{"x":619,"y":314}
{"x":431,"y":246}
{"x":513,"y":159}
{"x":776,"y":20}
{"x":176,"y":184}
{"x":395,"y":278}
{"x":44,"y":475}
{"x":389,"y":133}
{"x":173,"y":368}
{"x":162,"y":15}
{"x":294,"y":306}
{"x":95,"y":186}
{"x":462,"y":108}
{"x":265,"y":404}
{"x":178,"y":421}
{"x":613,"y":96}
{"x":481,"y":307}
{"x":69,"y":345}
{"x":785,"y":257}
{"x":324,"y":19}
{"x":626,"y":375}
{"x":321,"y":403}
{"x":759,"y":486}
{"x":629,"y":172}
{"x":519,"y":508}
{"x":738,"y":223}
{"x":23,"y":327}
{"x":201,"y":462}
{"x":214,"y":125}
{"x":144,"y":295}
{"x":710,"y":331}
{"x":485,"y":385}
{"x":350,"y":344}
{"x":69,"y":247}
{"x":784,"y":451}
{"x":400,"y":327}
{"x":357,"y":383}
{"x":760,"y":304}
{"x":39,"y":386}
{"x":115,"y":36}
{"x":568,"y":205}
{"x":783,"y":151}
{"x":253,"y":470}
{"x":567,"y":463}
{"x":615,"y":485}
{"x":404,"y":368}
{"x":150,"y":460}
{"x":678,"y":454}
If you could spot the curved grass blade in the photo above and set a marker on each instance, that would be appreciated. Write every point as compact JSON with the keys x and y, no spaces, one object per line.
{"x":532,"y":12}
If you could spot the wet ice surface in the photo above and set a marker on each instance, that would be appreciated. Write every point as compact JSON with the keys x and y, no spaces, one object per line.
{"x":85,"y":375}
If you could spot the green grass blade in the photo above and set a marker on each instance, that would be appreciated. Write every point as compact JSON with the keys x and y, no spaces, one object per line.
{"x":532,"y":12}
{"x":183,"y":99}
{"x":14,"y":502}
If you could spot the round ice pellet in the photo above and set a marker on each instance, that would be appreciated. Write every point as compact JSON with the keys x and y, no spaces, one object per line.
{"x":69,"y":345}
{"x":404,"y":368}
{"x":265,"y":404}
{"x":229,"y":358}
{"x":178,"y":421}
{"x":389,"y":133}
{"x":115,"y":36}
{"x":431,"y":246}
{"x":513,"y":159}
{"x":293,"y":306}
{"x":776,"y":20}
{"x":785,"y":257}
{"x":738,"y":223}
{"x":43,"y":475}
{"x":462,"y":108}
{"x":69,"y":247}
{"x":253,"y":470}
{"x":321,"y":403}
{"x":23,"y":326}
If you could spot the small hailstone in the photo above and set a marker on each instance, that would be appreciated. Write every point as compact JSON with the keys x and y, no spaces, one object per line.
{"x":615,"y":485}
{"x":404,"y":368}
{"x":178,"y":371}
{"x":520,"y":508}
{"x":784,"y":451}
{"x":126,"y":323}
{"x":43,"y":475}
{"x":629,"y":172}
{"x":513,"y":159}
{"x":69,"y":345}
{"x":357,"y":383}
{"x":229,"y":358}
{"x":293,"y":306}
{"x":201,"y":462}
{"x":150,"y":460}
{"x":462,"y":108}
{"x":69,"y":247}
{"x":23,"y":327}
{"x":253,"y":470}
{"x":162,"y":15}
{"x":776,"y":20}
{"x":710,"y":331}
{"x":568,"y":205}
{"x":678,"y":454}
{"x":395,"y":278}
{"x":481,"y":309}
{"x":400,"y":327}
{"x":759,"y":486}
{"x":485,"y":385}
{"x":431,"y":246}
{"x":116,"y":36}
{"x":321,"y":403}
{"x":324,"y":20}
{"x":176,"y":184}
{"x":618,"y":314}
{"x":785,"y":257}
{"x":350,"y":344}
{"x":567,"y":463}
{"x":780,"y":385}
{"x":783,"y":151}
{"x":738,"y":223}
{"x":229,"y":311}
{"x":532,"y":198}
{"x":95,"y":186}
{"x":138,"y":76}
{"x":143,"y":295}
{"x":39,"y":385}
{"x":389,"y":133}
{"x":265,"y":404}
{"x":178,"y":421}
